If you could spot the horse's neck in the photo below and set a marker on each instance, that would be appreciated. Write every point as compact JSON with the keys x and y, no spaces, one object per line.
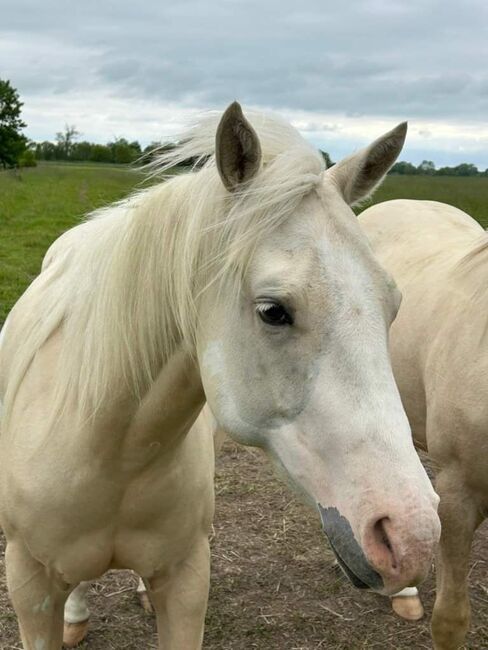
{"x":169,"y":408}
{"x":132,"y":433}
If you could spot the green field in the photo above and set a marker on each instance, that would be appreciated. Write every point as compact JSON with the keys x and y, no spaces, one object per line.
{"x":41,"y":203}
{"x":469,"y":193}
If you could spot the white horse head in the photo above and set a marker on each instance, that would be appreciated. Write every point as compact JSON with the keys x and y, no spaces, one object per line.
{"x":292,"y":350}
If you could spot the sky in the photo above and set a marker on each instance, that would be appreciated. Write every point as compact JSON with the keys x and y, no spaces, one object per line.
{"x":342,"y":72}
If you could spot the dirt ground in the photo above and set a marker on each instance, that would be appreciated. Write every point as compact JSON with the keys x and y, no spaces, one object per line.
{"x":274,"y":585}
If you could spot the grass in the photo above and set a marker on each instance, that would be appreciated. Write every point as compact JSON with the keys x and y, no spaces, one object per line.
{"x":468,"y":194}
{"x":39,"y":204}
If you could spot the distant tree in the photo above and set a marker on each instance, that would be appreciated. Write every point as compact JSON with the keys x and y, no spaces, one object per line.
{"x":28,"y":158}
{"x":426,"y":167}
{"x":81,"y":151}
{"x":444,"y":171}
{"x":65,"y":140}
{"x":123,"y":152}
{"x":12,"y":142}
{"x":136,"y":146}
{"x":403,"y":168}
{"x":465,"y":169}
{"x":101,"y":153}
{"x":46,"y":150}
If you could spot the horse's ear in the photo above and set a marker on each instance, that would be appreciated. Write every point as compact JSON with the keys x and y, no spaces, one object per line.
{"x":358,"y":175}
{"x":237,"y":148}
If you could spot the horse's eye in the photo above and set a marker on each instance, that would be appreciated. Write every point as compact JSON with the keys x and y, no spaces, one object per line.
{"x":272,"y":313}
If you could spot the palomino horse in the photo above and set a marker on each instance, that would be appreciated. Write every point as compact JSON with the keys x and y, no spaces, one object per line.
{"x":439,"y":255}
{"x":247,"y":283}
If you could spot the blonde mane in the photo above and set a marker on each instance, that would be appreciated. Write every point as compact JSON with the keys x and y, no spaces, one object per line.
{"x":124,"y":285}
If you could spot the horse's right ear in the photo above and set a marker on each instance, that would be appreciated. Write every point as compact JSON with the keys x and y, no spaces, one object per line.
{"x":358,"y":175}
{"x":237,"y":148}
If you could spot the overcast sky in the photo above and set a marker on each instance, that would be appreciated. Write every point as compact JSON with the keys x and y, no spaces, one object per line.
{"x":343,"y":72}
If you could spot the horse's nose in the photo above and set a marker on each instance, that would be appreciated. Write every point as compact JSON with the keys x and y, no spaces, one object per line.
{"x":380,"y":546}
{"x":390,"y":556}
{"x":347,"y":550}
{"x":400,"y":549}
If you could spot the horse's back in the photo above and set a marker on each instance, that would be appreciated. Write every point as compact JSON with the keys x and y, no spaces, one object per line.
{"x":411,"y":230}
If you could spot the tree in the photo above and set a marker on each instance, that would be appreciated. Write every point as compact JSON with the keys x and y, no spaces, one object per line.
{"x":12,"y":142}
{"x":65,"y":140}
{"x":46,"y":150}
{"x":101,"y":153}
{"x":81,"y":151}
{"x":123,"y":152}
{"x":28,"y":158}
{"x":427,"y":167}
{"x":465,"y":169}
{"x":403,"y":167}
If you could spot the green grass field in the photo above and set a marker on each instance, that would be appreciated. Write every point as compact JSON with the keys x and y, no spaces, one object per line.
{"x":469,"y":194}
{"x":41,"y":203}
{"x":38,"y":206}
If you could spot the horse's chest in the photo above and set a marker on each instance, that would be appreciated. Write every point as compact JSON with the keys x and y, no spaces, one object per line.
{"x":85,"y":517}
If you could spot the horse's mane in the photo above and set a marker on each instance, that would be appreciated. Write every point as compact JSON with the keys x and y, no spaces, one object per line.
{"x":124,"y":285}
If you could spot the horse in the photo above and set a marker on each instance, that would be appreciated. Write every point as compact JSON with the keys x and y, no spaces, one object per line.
{"x":246,"y":283}
{"x":438,"y":255}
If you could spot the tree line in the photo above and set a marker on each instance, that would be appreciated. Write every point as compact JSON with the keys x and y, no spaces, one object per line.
{"x":427,"y":168}
{"x":16,"y":150}
{"x":66,"y":147}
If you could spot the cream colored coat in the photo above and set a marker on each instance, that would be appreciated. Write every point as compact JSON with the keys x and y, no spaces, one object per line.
{"x":438,"y":256}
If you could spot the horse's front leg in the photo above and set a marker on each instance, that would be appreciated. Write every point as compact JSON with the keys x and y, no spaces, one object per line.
{"x":459,"y":517}
{"x":38,"y":596}
{"x":179,"y":597}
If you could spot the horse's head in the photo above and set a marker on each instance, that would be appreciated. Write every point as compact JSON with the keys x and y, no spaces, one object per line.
{"x":294,"y":359}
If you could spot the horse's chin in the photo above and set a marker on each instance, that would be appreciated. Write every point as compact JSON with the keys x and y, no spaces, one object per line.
{"x":347,"y":550}
{"x":351,"y":576}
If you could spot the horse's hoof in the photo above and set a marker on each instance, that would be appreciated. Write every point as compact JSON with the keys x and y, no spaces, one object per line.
{"x":74,"y":633}
{"x":408,"y":607}
{"x":145,"y":602}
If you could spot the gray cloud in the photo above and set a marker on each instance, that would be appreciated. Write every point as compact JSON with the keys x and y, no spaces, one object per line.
{"x":421,"y":59}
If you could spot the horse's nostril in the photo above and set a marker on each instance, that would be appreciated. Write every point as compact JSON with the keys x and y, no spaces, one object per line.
{"x":383,"y":540}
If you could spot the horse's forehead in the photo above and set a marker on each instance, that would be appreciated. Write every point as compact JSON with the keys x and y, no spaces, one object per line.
{"x":316,"y":241}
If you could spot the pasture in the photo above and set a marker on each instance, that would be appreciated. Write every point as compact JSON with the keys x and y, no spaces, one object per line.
{"x":273,"y":587}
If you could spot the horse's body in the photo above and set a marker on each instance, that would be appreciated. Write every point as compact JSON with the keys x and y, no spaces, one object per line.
{"x":438,"y":255}
{"x":247,"y":284}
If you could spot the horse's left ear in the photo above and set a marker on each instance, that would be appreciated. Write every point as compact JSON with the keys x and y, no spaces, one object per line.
{"x":358,"y":175}
{"x":237,"y":148}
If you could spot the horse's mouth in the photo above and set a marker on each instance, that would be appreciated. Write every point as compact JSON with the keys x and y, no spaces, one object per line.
{"x":347,"y":550}
{"x":351,"y":576}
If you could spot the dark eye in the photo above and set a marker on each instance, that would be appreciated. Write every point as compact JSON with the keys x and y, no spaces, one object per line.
{"x":272,"y":313}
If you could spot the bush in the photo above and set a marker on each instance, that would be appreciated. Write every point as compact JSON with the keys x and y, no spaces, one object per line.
{"x":28,"y":159}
